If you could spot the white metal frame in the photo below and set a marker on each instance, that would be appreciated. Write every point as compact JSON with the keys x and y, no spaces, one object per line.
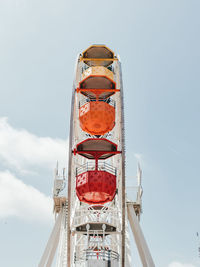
{"x":52,"y":243}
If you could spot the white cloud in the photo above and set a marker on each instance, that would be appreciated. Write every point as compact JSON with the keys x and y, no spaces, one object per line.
{"x":178,"y":264}
{"x":24,"y":151}
{"x":23,"y":201}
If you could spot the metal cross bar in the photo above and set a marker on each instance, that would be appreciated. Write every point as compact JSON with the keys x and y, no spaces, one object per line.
{"x":97,"y":59}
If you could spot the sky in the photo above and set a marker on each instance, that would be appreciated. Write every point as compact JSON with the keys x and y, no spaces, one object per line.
{"x":158,"y":43}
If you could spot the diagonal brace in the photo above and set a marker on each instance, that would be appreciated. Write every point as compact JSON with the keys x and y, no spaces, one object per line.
{"x":52,"y":243}
{"x":140,"y":241}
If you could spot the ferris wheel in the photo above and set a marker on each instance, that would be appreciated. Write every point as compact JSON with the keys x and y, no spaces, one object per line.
{"x":91,"y":227}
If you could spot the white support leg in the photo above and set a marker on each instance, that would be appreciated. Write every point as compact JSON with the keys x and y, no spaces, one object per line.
{"x":140,"y":241}
{"x":51,"y":244}
{"x":53,"y":250}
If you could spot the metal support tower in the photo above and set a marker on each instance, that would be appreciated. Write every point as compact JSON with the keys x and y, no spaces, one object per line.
{"x":91,"y":227}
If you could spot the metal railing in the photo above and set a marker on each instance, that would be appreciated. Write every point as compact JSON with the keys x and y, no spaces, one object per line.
{"x":109,"y":101}
{"x":102,"y":166}
{"x":103,"y":254}
{"x":105,"y":214}
{"x":85,"y":67}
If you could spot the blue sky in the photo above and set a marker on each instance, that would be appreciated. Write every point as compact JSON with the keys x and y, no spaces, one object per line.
{"x":158,"y":42}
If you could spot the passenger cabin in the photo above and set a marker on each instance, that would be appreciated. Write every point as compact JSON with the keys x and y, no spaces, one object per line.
{"x":98,"y":257}
{"x":98,"y":55}
{"x":96,"y":183}
{"x":97,"y":111}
